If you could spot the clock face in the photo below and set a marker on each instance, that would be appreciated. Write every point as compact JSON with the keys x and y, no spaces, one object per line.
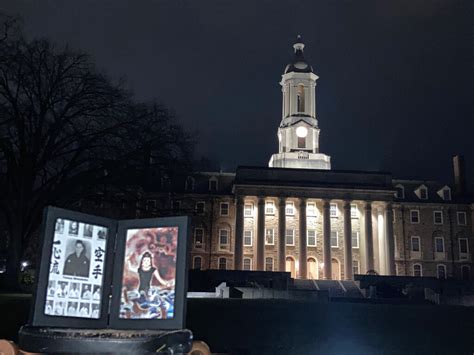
{"x":301,"y":131}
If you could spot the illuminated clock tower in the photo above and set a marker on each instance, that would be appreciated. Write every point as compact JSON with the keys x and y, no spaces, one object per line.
{"x":298,"y":134}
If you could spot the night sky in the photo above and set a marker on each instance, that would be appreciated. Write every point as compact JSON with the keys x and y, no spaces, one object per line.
{"x":396,"y":83}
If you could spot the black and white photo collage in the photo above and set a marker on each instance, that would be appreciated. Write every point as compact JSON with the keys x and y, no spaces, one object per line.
{"x":76,"y":270}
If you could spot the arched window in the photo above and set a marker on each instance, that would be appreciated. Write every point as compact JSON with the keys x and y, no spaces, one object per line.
{"x":222,"y":264}
{"x":197,"y":262}
{"x":290,"y":266}
{"x":312,"y":268}
{"x":335,"y":269}
{"x":300,"y":98}
{"x":268,"y":264}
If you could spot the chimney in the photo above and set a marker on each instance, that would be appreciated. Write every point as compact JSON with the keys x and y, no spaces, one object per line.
{"x":459,"y":177}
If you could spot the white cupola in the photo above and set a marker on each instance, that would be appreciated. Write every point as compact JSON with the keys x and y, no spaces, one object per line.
{"x":298,"y":134}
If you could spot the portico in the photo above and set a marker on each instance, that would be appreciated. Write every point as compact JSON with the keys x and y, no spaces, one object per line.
{"x":328,"y":221}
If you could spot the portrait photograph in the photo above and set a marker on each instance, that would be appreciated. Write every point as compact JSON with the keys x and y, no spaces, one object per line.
{"x":148,"y":280}
{"x":73,"y":228}
{"x":59,"y":227}
{"x":88,"y":229}
{"x":78,"y":258}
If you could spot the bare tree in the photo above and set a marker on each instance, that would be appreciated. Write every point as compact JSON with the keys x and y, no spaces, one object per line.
{"x":61,"y":121}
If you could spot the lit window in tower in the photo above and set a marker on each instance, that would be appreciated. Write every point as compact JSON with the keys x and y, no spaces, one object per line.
{"x":300,"y":98}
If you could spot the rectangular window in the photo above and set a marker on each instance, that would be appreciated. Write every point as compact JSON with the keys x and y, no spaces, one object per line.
{"x":333,"y":210}
{"x":463,"y":247}
{"x":355,"y":239}
{"x":268,"y":264}
{"x":247,"y":264}
{"x":248,"y":210}
{"x":311,"y":238}
{"x":290,"y":237}
{"x":438,"y":217}
{"x":270,"y":207}
{"x":224,"y":208}
{"x":269,"y":236}
{"x":415,"y":244}
{"x":355,"y":267}
{"x":290,"y":209}
{"x":439,"y":245}
{"x":417,"y":270}
{"x":224,"y":238}
{"x":198,"y":237}
{"x":248,"y":238}
{"x":311,"y":209}
{"x":200,"y":207}
{"x":197,"y":262}
{"x":354,"y":211}
{"x":415,"y":216}
{"x":222,"y":263}
{"x":334,"y":239}
{"x":462,"y":220}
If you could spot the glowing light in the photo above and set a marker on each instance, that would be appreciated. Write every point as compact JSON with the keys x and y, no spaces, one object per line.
{"x":24,"y":263}
{"x":301,"y":132}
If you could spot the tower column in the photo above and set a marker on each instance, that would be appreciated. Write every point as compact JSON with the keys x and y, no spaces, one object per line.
{"x":390,"y":239}
{"x":281,"y":233}
{"x":261,"y":234}
{"x":347,"y":241}
{"x":239,"y":232}
{"x":303,"y":272}
{"x":327,"y":240}
{"x":369,"y":240}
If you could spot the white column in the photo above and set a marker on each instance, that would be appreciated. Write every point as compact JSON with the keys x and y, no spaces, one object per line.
{"x":390,"y":240}
{"x":381,"y":241}
{"x":347,"y":241}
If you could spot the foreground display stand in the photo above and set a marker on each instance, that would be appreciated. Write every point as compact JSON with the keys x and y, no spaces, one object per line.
{"x":40,"y":340}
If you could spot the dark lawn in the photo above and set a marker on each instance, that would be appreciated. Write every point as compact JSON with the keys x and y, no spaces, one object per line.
{"x":299,"y":327}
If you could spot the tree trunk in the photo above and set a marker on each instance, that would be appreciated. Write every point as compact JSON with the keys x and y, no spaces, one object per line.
{"x":12,"y":274}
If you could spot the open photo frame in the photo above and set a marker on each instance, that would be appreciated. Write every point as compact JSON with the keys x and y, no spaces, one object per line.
{"x":96,"y":272}
{"x":75,"y":270}
{"x":150,"y":274}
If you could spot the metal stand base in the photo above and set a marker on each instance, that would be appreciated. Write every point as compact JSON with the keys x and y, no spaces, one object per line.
{"x":103,"y":341}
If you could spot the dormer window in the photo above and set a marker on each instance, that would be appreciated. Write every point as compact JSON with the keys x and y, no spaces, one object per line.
{"x":189,"y":184}
{"x":445,"y":193}
{"x":422,"y":192}
{"x":399,"y":191}
{"x":213,"y":184}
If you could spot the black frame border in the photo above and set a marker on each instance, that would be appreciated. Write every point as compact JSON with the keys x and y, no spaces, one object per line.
{"x":178,"y":321}
{"x":37,"y":316}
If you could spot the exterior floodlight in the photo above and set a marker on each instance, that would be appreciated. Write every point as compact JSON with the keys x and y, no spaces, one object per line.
{"x":301,"y":132}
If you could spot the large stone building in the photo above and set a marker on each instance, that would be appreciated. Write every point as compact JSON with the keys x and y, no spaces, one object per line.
{"x":300,"y":216}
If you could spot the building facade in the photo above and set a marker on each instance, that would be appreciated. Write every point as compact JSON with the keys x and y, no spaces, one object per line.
{"x":298,"y":215}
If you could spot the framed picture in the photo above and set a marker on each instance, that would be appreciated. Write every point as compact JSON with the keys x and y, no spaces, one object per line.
{"x":150,"y":274}
{"x":75,"y":270}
